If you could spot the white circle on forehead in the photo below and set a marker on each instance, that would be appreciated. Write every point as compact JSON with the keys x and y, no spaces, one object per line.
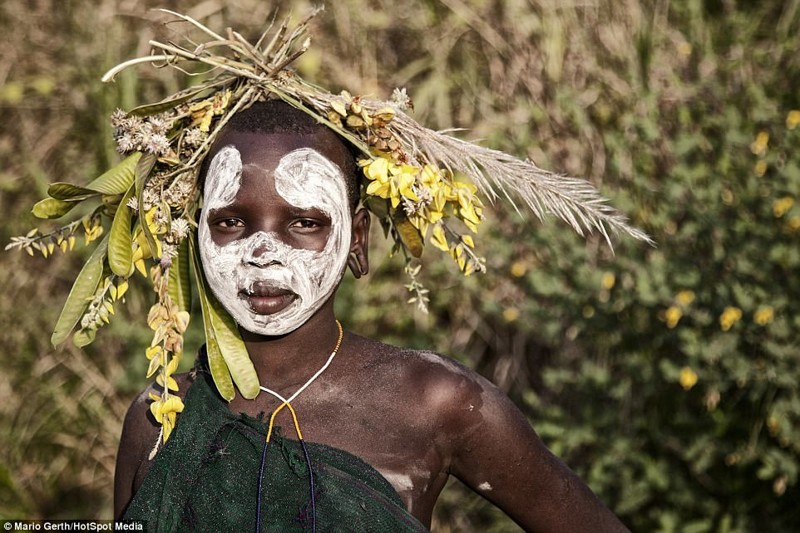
{"x":306,"y":179}
{"x":223,"y":179}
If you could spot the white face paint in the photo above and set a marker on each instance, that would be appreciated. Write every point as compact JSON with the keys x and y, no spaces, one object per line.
{"x":263,"y":266}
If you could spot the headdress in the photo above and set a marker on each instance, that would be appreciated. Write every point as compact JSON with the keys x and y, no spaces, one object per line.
{"x":422,"y":185}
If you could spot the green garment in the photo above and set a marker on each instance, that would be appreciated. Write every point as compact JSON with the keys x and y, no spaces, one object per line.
{"x":205,"y":479}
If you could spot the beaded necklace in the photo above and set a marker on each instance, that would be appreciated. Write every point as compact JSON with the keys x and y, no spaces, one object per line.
{"x":287,"y":402}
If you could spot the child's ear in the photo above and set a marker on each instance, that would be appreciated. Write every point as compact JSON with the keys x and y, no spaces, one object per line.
{"x":358,"y":261}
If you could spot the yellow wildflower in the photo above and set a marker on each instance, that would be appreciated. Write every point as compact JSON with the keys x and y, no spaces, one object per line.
{"x":761,"y":168}
{"x":764,"y":315}
{"x":518,"y":269}
{"x":203,"y":112}
{"x":672,"y":316}
{"x":439,"y":239}
{"x":608,"y":280}
{"x":759,"y":145}
{"x":685,"y":298}
{"x":794,"y":224}
{"x":793,"y":119}
{"x":687,"y":378}
{"x":165,"y":410}
{"x":730,"y":316}
{"x":510,"y":314}
{"x":782,"y":205}
{"x":391,"y":181}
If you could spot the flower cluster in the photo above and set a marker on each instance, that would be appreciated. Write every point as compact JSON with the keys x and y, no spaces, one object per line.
{"x":730,"y":316}
{"x":424,"y":197}
{"x":62,"y":238}
{"x":100,"y":308}
{"x":133,"y":133}
{"x":168,"y":322}
{"x":408,"y":196}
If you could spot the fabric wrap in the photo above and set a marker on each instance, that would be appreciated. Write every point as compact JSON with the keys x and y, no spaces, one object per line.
{"x":205,"y":479}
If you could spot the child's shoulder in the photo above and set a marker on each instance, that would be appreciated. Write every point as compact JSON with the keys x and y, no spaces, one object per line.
{"x":140,"y":430}
{"x":433,"y":380}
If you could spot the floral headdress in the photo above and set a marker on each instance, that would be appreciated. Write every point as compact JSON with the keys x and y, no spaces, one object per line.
{"x":421,"y":184}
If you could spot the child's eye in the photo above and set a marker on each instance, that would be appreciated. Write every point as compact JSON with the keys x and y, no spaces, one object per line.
{"x":229,"y":223}
{"x":305,"y":223}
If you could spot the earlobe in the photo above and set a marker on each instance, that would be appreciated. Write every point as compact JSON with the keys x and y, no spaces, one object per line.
{"x":358,"y":260}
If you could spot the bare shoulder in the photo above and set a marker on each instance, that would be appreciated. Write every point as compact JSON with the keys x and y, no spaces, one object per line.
{"x":443,"y":387}
{"x":139,"y":435}
{"x":483,"y":439}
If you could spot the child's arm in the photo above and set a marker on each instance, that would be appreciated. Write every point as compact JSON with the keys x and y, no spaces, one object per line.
{"x":498,"y":454}
{"x":139,"y":434}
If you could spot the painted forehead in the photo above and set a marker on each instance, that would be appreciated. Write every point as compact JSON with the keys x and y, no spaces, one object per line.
{"x":304,"y":177}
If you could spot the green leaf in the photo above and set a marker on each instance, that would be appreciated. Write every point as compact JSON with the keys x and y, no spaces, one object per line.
{"x":233,"y":349}
{"x":117,"y":179}
{"x":226,"y":338}
{"x":84,"y":337}
{"x":179,"y":278}
{"x":120,"y":243}
{"x":52,"y":208}
{"x":82,"y":290}
{"x":216,"y":362}
{"x":68,"y":191}
{"x":142,"y":171}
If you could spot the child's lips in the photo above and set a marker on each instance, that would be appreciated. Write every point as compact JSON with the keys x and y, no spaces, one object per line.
{"x":266,"y":299}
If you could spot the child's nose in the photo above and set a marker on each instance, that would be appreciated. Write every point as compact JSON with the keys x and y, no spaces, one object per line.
{"x":265,"y":250}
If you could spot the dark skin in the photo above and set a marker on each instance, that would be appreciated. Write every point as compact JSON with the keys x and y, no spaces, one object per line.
{"x":414,"y":416}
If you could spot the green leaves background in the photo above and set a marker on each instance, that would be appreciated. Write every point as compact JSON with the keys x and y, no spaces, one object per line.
{"x":657,"y":103}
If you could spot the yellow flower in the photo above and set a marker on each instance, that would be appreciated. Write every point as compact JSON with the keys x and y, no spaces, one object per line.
{"x":439,"y":239}
{"x":794,"y":224}
{"x":759,"y":145}
{"x":608,"y":280}
{"x":391,"y":181}
{"x":729,"y":317}
{"x":793,"y":119}
{"x":518,"y":269}
{"x":165,"y":410}
{"x":764,"y":315}
{"x":510,"y":314}
{"x":203,"y":112}
{"x":685,"y":297}
{"x":687,"y":378}
{"x":761,"y":168}
{"x":469,"y":206}
{"x":672,"y":316}
{"x":782,"y":205}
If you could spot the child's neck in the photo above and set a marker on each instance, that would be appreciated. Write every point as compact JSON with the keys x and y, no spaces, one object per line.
{"x":285,"y":359}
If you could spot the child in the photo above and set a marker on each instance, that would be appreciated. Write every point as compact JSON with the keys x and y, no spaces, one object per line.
{"x":370,"y":441}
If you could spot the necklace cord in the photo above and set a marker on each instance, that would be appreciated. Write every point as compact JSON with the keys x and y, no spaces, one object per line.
{"x":286,"y":402}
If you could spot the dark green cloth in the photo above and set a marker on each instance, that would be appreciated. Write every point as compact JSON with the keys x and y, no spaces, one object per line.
{"x":205,"y":479}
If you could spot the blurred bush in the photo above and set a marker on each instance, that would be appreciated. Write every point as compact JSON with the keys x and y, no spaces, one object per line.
{"x":667,"y":377}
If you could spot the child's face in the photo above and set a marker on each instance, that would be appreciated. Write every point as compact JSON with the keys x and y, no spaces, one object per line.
{"x":275,"y":229}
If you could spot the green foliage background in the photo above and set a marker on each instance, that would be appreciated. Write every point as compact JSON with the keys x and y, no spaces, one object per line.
{"x":621,"y":361}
